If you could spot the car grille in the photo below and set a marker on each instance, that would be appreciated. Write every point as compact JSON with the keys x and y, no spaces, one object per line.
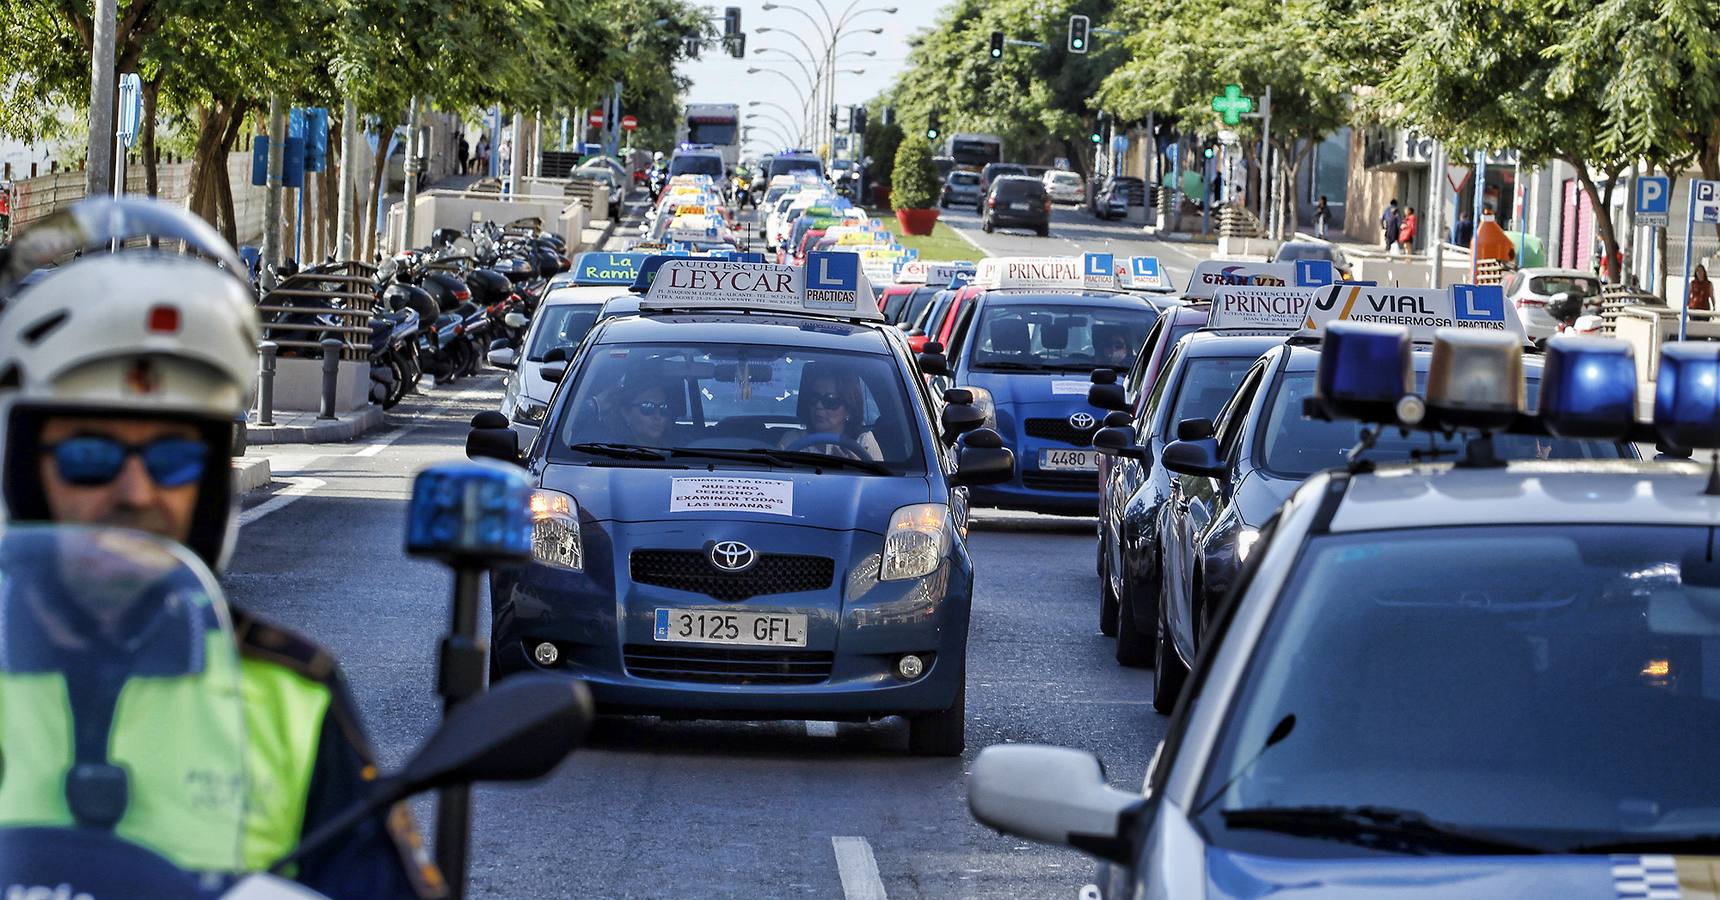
{"x":1087,"y":482}
{"x":1060,"y":430}
{"x":725,"y":665}
{"x":691,"y":570}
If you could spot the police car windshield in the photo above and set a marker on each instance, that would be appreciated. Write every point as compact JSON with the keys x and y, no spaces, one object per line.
{"x":560,"y":325}
{"x":1025,"y":335}
{"x":1297,"y":447}
{"x":697,"y":164}
{"x":1439,"y":671}
{"x":735,"y":397}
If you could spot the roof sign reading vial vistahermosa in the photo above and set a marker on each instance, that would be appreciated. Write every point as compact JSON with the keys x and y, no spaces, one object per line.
{"x":1422,"y":310}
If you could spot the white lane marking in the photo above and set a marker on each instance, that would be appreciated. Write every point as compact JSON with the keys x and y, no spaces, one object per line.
{"x":296,"y":488}
{"x":964,"y":236}
{"x":821,"y":729}
{"x":858,"y":869}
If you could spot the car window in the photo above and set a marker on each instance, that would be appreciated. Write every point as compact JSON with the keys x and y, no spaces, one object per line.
{"x":1018,"y":190}
{"x":691,"y":164}
{"x":1150,"y":403}
{"x":1138,"y":373}
{"x":1486,"y":653}
{"x":1205,"y":385}
{"x":921,"y":300}
{"x":1234,"y":413}
{"x":739,"y":397}
{"x":1548,"y":285}
{"x":1021,"y":334}
{"x":933,"y":315}
{"x":958,"y":335}
{"x":560,"y":325}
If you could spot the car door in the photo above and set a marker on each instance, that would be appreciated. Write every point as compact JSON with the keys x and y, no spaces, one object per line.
{"x":1187,"y":513}
{"x":1128,"y":477}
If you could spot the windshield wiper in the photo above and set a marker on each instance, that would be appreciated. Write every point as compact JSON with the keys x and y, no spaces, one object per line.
{"x":619,"y":451}
{"x":1648,"y":843}
{"x":1010,"y":366}
{"x":770,"y":456}
{"x":1374,"y":826}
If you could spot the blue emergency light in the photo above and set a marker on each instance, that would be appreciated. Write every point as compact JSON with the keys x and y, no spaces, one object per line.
{"x":477,"y":511}
{"x":1364,"y":370}
{"x":1588,"y":388}
{"x":1687,"y":396}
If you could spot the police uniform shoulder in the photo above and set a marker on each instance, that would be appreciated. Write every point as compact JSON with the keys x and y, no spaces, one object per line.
{"x":265,"y":641}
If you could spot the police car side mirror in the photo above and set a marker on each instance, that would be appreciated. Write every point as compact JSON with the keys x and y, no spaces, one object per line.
{"x":1107,"y":396}
{"x":491,"y":438}
{"x":1194,"y":429}
{"x":958,"y":419}
{"x":1118,"y":440}
{"x":1194,"y":457}
{"x":553,"y":372}
{"x":983,"y":459}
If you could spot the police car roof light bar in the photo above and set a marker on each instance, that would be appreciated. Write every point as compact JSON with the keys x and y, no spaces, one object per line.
{"x":1364,"y":370}
{"x":1475,"y":379}
{"x":1588,"y":388}
{"x":1687,"y":402}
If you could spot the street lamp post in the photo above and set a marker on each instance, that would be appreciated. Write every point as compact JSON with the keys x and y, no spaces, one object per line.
{"x":834,"y":27}
{"x":771,"y":120}
{"x":785,"y":111}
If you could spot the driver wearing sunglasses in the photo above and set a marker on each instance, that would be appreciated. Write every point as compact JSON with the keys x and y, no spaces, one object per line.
{"x":833,"y":404}
{"x":121,"y":378}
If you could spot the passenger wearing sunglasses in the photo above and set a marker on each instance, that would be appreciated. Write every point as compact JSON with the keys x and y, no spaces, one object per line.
{"x":122,"y":377}
{"x":833,"y":403}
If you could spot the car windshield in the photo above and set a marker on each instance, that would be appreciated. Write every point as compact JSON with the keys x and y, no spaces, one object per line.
{"x":1065,"y":178}
{"x":1292,"y":252}
{"x":697,"y":165}
{"x":1548,"y":285}
{"x":1549,"y":685}
{"x":1032,"y":335}
{"x":932,"y":314}
{"x":790,"y":165}
{"x":560,"y":325}
{"x":1297,"y":447}
{"x":903,"y":307}
{"x":967,"y":179}
{"x":728,"y":401}
{"x":1206,"y":384}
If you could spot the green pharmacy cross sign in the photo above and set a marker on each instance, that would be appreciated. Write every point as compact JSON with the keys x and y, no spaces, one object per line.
{"x":1232,"y":105}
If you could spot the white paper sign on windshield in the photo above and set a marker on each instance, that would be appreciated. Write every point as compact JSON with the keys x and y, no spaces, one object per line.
{"x":768,"y":496}
{"x":1422,"y":310}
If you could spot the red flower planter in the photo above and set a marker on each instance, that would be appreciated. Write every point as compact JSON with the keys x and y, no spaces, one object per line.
{"x":917,"y":221}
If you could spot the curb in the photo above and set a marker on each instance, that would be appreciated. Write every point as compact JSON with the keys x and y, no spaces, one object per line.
{"x":320,"y":432}
{"x":250,"y":474}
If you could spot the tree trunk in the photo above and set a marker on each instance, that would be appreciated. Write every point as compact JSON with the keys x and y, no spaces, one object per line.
{"x":151,"y":163}
{"x":1603,"y":217}
{"x":224,"y":184}
{"x":1284,"y":197}
{"x":378,"y":177}
{"x":211,"y":127}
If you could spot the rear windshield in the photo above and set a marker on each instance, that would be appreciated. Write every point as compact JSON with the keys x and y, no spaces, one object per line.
{"x":1013,"y":189}
{"x":900,"y":306}
{"x":964,"y":178}
{"x":1065,"y":178}
{"x":789,"y":166}
{"x":697,"y":165}
{"x":918,"y":303}
{"x":1548,"y":285}
{"x":560,"y":325}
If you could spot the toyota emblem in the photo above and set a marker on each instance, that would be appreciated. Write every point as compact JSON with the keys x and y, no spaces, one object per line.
{"x":1082,"y":421}
{"x":732,"y":556}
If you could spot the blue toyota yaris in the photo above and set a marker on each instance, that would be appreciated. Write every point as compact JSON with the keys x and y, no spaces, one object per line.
{"x":751,"y":514}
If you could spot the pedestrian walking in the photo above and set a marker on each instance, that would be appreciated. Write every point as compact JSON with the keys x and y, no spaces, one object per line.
{"x":465,"y":155}
{"x":505,"y":156}
{"x":1701,"y":295}
{"x":1322,"y":216}
{"x":1406,"y":232}
{"x":1463,"y":230}
{"x":1390,"y":223}
{"x":483,"y":154}
{"x":5,"y":212}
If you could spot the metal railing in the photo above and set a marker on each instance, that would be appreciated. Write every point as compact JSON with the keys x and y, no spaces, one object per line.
{"x":347,"y":292}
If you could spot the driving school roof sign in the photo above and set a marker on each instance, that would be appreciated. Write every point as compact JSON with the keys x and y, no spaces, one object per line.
{"x":829,"y":284}
{"x":1142,"y":273}
{"x":1422,"y":310}
{"x":1245,"y":306}
{"x":1095,"y":270}
{"x":1213,"y":274}
{"x":596,"y":268}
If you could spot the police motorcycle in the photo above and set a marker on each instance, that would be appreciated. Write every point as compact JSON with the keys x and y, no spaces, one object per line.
{"x":123,"y":728}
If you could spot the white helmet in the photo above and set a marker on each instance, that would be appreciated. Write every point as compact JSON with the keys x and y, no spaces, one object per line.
{"x":139,"y":333}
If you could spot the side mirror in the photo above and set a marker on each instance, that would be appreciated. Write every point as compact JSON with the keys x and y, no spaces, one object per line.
{"x":932,"y":347}
{"x":1118,"y":440}
{"x":983,"y":459}
{"x":933,"y":363}
{"x":1194,"y":429}
{"x":1117,"y":418}
{"x":958,"y":419}
{"x":491,"y":438}
{"x":503,"y":357}
{"x":1107,"y":396}
{"x":1103,"y":376}
{"x":1194,"y":457}
{"x":958,"y":395}
{"x":516,"y":319}
{"x":500,"y":343}
{"x":1053,"y":795}
{"x":553,"y":372}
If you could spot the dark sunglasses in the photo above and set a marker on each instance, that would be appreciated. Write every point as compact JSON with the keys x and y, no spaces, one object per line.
{"x":90,"y":460}
{"x":648,"y":408}
{"x":829,"y":401}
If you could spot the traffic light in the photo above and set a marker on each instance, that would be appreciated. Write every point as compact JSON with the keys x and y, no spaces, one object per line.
{"x":1209,"y":149}
{"x":832,"y":118}
{"x":731,"y":20}
{"x":932,"y":125}
{"x":857,"y":120}
{"x":889,"y":115}
{"x":737,"y":44}
{"x":997,"y":45}
{"x":1078,"y":34}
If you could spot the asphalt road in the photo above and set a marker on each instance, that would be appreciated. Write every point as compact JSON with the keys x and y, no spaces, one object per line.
{"x":1073,"y":231}
{"x":703,"y":809}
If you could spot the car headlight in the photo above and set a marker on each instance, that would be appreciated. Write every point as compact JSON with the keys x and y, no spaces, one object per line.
{"x":529,"y":413}
{"x":555,"y":531}
{"x":1245,"y":540}
{"x":917,"y":540}
{"x":982,"y":399}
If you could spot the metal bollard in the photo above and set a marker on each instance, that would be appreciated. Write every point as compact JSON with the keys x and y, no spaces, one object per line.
{"x":331,"y":348}
{"x":266,"y":351}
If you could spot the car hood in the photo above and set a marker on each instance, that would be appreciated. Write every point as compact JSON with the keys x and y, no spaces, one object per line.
{"x":835,"y":499}
{"x":1064,"y":389}
{"x":1598,"y":877}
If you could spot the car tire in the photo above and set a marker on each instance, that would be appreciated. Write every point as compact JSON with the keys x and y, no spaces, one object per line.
{"x":941,"y":733}
{"x":1107,"y":597}
{"x":1169,"y":671}
{"x":985,"y":225}
{"x":943,"y":204}
{"x":1044,"y":230}
{"x":1133,"y":648}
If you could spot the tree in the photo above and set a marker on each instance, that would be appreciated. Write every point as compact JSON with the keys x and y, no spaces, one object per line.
{"x":914,"y":185}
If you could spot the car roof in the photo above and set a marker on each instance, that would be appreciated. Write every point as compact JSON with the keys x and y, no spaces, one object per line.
{"x":1242,"y":342}
{"x":583,"y":293}
{"x":1536,"y":492}
{"x":1067,"y":298}
{"x":744,"y":328}
{"x":1548,"y":270}
{"x":1191,"y":314}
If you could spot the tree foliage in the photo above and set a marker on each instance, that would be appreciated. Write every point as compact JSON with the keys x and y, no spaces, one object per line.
{"x":914,"y":183}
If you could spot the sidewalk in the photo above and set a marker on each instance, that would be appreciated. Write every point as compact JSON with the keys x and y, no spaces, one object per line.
{"x":302,"y":427}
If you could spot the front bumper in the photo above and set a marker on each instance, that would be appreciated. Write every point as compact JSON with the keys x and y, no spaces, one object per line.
{"x":602,"y":623}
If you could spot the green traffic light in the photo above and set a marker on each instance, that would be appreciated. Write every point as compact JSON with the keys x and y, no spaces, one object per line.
{"x":1095,"y":137}
{"x":1210,"y":153}
{"x":932,"y":133}
{"x":1079,"y":43}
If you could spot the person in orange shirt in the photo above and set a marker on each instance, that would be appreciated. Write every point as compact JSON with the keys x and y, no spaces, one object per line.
{"x":1701,"y":295}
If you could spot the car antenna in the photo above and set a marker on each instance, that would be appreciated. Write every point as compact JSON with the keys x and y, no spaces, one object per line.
{"x":1279,"y":732}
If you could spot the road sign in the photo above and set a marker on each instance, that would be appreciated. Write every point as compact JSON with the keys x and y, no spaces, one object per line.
{"x":629,"y":123}
{"x":1705,"y":201}
{"x":1653,"y":199}
{"x":1457,"y":177}
{"x":1232,"y":105}
{"x":1061,"y":164}
{"x":595,"y":119}
{"x":130,"y":108}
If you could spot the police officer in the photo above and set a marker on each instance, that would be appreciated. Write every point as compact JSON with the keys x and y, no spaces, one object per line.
{"x":121,"y":378}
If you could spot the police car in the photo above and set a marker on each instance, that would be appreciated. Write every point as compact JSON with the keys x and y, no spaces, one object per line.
{"x":1456,"y":679}
{"x":1234,"y":471}
{"x":749,"y":506}
{"x":1024,"y":347}
{"x":563,"y":317}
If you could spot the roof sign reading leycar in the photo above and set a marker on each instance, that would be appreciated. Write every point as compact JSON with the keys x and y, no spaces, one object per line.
{"x":831,"y":284}
{"x":1422,"y":310}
